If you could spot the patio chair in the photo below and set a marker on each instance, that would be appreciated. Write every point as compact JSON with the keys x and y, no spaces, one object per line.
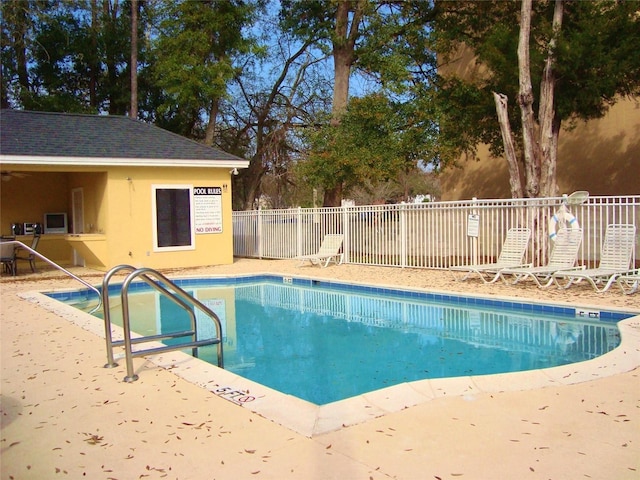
{"x":563,"y":257}
{"x":329,"y":251}
{"x":629,"y":282}
{"x":8,"y":257}
{"x":30,"y":257}
{"x":511,"y":256}
{"x":615,"y":257}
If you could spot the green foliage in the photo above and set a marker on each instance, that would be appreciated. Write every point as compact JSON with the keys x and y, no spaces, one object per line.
{"x":376,"y":140}
{"x":596,"y":62}
{"x":598,"y":57}
{"x":194,"y":56}
{"x":56,"y":58}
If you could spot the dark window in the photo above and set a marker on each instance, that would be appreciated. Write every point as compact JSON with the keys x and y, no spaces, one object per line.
{"x":173,"y":217}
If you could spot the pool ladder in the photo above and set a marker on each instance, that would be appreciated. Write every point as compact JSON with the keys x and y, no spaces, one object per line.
{"x":174,"y":293}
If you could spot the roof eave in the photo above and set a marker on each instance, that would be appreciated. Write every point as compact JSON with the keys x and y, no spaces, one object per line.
{"x":122,"y":162}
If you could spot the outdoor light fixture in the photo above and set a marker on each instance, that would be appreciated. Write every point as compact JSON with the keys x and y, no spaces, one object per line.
{"x":234,"y":171}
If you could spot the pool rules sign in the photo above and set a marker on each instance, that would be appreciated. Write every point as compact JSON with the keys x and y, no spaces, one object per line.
{"x":207,"y":209}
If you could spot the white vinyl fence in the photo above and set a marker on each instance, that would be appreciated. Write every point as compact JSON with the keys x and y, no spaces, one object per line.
{"x":430,"y":235}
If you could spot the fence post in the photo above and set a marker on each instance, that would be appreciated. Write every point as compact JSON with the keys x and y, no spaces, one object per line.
{"x":474,"y":239}
{"x":259,"y":220}
{"x":403,"y":235}
{"x":299,"y":233}
{"x":345,"y":234}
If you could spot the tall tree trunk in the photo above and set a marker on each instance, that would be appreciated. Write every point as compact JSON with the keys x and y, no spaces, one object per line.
{"x":344,"y":41}
{"x":251,"y":179}
{"x":525,"y":101}
{"x":210,"y":132}
{"x":16,"y":26}
{"x":93,"y":67}
{"x":552,"y":186}
{"x":515,"y":181}
{"x":547,"y":114}
{"x":110,"y":15}
{"x":19,"y":44}
{"x":134,"y":60}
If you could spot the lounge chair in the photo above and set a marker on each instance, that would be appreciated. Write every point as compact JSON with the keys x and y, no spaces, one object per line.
{"x":511,"y":256}
{"x":30,"y":257}
{"x":329,"y":251}
{"x":629,"y":282}
{"x":615,"y":257}
{"x":563,"y":257}
{"x":8,"y":257}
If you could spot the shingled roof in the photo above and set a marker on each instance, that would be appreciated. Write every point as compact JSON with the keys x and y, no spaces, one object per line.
{"x":38,"y":137}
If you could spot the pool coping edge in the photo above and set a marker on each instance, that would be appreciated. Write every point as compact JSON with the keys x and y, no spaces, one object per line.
{"x":311,"y":420}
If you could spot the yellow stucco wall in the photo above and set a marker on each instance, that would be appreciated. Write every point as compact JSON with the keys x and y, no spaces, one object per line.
{"x":601,"y":156}
{"x":26,"y":198}
{"x":129,"y":218}
{"x":94,"y":187}
{"x":118,"y":214}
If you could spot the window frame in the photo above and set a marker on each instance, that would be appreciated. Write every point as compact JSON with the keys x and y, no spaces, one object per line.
{"x":154,"y":218}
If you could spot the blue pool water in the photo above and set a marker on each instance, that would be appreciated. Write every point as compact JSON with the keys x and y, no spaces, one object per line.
{"x":326,"y":341}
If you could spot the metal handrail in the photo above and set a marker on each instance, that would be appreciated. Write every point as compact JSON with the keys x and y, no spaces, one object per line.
{"x":106,"y":311}
{"x":173,"y":293}
{"x":55,"y":265}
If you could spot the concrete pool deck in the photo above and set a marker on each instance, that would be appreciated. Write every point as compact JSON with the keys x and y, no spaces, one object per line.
{"x":64,"y":415}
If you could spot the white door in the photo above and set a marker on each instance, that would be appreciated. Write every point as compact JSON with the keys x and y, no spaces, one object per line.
{"x":77,"y":202}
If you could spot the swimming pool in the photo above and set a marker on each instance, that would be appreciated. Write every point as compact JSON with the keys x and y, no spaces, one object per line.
{"x":327,"y":341}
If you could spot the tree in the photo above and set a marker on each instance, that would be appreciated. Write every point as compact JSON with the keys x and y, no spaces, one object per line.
{"x":370,"y":36}
{"x":197,"y":45}
{"x":66,"y":56}
{"x":561,"y":61}
{"x":335,"y":25}
{"x":133,"y":109}
{"x":16,"y":34}
{"x":378,"y":140}
{"x":274,"y":109}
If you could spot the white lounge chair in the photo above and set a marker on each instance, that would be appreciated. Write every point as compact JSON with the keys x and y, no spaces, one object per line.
{"x":615,"y":257}
{"x":629,"y":282}
{"x":329,"y":251}
{"x":563,"y":257}
{"x":511,"y":256}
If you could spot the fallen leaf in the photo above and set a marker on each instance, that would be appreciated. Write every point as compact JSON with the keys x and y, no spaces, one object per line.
{"x":93,"y":439}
